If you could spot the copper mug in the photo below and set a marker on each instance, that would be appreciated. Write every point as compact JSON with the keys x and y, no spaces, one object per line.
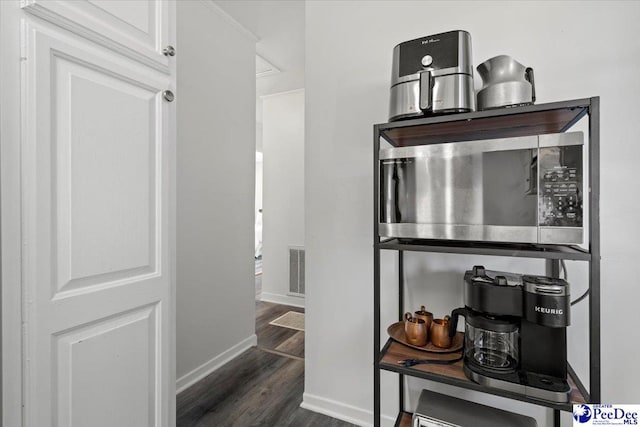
{"x":440,"y":332}
{"x":425,"y":315}
{"x":415,"y":329}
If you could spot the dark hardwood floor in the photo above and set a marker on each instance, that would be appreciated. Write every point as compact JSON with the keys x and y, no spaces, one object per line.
{"x":261,"y":387}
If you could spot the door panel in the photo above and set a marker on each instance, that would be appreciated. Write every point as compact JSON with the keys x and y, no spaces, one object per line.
{"x":126,"y":343}
{"x":136,"y":28}
{"x":92,"y":203}
{"x":96,"y":209}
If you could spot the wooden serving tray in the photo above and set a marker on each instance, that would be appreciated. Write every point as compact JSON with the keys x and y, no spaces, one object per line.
{"x":396,"y":332}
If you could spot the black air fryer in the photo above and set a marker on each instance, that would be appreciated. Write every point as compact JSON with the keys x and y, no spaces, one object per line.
{"x":515,"y":333}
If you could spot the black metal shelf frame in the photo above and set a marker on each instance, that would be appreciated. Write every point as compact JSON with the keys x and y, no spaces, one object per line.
{"x":577,"y":109}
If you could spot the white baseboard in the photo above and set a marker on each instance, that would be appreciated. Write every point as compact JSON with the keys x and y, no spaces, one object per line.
{"x":342,"y":411}
{"x":282,"y":299}
{"x":206,"y":368}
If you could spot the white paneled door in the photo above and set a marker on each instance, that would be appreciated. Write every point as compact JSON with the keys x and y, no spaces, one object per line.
{"x":97,"y":206}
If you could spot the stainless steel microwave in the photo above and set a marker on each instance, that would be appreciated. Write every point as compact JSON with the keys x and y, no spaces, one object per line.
{"x":524,"y":189}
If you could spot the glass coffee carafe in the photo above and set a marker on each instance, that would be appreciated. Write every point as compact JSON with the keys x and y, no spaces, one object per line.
{"x":492,"y":343}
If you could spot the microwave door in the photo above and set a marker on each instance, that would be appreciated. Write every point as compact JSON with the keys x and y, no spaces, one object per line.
{"x":460,"y":191}
{"x":508,"y":196}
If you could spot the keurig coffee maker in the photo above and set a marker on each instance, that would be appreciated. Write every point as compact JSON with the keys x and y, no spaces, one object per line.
{"x":432,"y":75}
{"x":515,"y":333}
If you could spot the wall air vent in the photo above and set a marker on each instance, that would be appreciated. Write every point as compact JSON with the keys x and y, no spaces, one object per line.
{"x":296,"y":271}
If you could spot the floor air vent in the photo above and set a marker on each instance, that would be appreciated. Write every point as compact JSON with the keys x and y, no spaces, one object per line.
{"x":296,"y":271}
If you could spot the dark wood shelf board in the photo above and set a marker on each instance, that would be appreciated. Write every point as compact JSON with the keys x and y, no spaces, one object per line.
{"x":486,"y":248}
{"x":454,"y":375}
{"x":404,"y":419}
{"x":554,"y":117}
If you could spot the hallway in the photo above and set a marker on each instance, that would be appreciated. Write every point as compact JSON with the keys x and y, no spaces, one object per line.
{"x":261,"y":387}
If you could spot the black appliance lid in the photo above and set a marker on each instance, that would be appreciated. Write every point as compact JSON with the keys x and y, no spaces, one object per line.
{"x":441,"y":54}
{"x":500,"y":278}
{"x":442,"y":48}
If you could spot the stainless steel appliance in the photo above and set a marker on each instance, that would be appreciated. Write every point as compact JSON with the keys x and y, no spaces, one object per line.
{"x":515,"y":332}
{"x":506,"y":83}
{"x":524,"y":189}
{"x":432,"y":75}
{"x":439,"y":410}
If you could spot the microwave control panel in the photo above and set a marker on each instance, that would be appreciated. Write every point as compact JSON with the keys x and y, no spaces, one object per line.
{"x":560,"y":187}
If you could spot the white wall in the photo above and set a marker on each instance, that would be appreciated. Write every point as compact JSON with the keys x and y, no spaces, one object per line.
{"x":215,"y":194}
{"x":283,"y":191}
{"x":578,"y":50}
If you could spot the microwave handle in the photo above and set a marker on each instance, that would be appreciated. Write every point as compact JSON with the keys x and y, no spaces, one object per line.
{"x":532,"y":190}
{"x":389,"y":193}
